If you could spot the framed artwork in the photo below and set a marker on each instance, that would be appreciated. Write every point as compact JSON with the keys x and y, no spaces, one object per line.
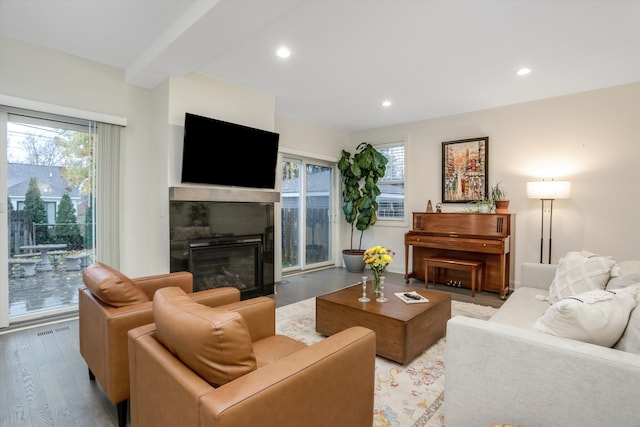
{"x":465,"y":166}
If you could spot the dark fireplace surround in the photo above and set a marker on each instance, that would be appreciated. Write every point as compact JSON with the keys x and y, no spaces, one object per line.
{"x":223,"y":237}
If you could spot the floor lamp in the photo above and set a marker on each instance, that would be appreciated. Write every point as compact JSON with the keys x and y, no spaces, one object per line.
{"x":548,"y":190}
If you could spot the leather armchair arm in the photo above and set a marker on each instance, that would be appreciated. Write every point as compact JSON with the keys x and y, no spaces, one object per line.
{"x":150,"y":284}
{"x":259,"y":314}
{"x":216,"y":297}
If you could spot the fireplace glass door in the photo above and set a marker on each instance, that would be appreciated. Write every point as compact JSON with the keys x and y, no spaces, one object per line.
{"x":229,"y":262}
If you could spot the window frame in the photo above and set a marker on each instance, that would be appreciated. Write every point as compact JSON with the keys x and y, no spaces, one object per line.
{"x":399,"y":221}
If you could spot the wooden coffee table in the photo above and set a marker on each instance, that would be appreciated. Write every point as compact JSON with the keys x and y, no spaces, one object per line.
{"x":403,"y":331}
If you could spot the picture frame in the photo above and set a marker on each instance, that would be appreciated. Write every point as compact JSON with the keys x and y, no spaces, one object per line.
{"x":465,"y":170}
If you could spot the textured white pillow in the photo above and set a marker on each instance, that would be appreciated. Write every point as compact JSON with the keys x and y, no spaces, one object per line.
{"x":630,"y":340}
{"x":597,"y":317}
{"x":620,"y":282}
{"x":579,"y":272}
{"x":624,"y":268}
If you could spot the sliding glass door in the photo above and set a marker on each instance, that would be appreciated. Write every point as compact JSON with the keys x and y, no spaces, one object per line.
{"x":50,"y":211}
{"x":307,"y":213}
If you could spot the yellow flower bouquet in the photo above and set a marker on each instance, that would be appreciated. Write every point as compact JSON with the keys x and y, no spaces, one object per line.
{"x":378,"y":258}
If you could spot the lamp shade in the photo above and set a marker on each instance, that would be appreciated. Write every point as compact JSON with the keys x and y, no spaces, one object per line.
{"x":548,"y":190}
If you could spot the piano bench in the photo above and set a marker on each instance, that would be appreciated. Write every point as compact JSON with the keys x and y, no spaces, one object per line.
{"x":475,"y":267}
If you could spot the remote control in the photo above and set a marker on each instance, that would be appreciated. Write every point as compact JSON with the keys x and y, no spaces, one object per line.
{"x":412,"y":296}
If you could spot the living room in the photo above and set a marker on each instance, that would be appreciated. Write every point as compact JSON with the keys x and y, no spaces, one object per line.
{"x":588,"y":137}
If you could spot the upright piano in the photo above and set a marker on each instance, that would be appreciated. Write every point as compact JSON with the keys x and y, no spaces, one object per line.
{"x":484,"y":237}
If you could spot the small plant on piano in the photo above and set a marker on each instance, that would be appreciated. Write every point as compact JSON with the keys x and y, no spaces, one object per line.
{"x":498,"y":198}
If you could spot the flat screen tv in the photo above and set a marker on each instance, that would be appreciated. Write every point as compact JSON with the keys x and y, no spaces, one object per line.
{"x":221,"y":153}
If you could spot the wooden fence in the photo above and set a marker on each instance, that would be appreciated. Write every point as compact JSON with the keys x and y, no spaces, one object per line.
{"x":318,"y":229}
{"x":20,"y":231}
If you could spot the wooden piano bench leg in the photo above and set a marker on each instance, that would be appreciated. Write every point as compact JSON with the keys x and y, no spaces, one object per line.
{"x":426,"y":273}
{"x":473,"y":281}
{"x":476,"y":278}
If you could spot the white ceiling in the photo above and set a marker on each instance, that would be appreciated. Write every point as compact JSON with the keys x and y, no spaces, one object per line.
{"x":430,"y":58}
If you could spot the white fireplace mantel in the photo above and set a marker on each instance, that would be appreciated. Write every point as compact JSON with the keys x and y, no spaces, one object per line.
{"x":214,"y":194}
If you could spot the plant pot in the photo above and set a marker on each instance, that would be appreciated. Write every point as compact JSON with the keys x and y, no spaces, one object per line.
{"x":502,"y":206}
{"x":353,"y":260}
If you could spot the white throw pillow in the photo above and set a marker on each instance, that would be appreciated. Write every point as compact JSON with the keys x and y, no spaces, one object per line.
{"x":597,"y":317}
{"x":579,"y":272}
{"x":620,"y":282}
{"x":624,"y":268}
{"x":630,"y":340}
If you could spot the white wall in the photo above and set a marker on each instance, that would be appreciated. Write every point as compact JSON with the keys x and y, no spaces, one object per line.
{"x":591,"y":139}
{"x":306,"y":139}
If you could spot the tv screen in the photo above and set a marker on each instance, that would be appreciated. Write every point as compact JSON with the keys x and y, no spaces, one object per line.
{"x":222,"y":153}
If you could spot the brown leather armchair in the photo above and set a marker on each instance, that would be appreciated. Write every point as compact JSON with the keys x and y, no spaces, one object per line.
{"x":226,"y":367}
{"x":109,"y":306}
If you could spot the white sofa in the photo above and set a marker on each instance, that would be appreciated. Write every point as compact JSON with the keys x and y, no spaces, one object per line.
{"x":503,"y":371}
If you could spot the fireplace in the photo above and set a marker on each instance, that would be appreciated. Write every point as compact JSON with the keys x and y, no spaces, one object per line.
{"x":222,"y":242}
{"x":234,"y":261}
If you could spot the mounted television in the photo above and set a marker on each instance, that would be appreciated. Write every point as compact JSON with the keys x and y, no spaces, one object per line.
{"x":221,"y":153}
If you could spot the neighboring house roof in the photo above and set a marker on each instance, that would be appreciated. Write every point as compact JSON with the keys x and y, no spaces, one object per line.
{"x":50,"y":181}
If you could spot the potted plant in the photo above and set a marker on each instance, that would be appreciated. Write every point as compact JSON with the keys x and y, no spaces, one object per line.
{"x":360,"y":173}
{"x":498,"y":197}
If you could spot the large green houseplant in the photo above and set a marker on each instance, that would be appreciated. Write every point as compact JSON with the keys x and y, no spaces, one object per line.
{"x":360,"y":173}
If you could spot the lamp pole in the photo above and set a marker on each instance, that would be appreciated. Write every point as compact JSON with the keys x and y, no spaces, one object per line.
{"x":541,"y":228}
{"x":550,"y":227}
{"x":547,"y":190}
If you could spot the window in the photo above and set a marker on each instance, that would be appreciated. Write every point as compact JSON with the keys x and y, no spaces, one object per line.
{"x":391,"y":199}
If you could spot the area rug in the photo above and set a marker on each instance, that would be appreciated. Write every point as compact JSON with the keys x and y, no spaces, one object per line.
{"x":411,"y":395}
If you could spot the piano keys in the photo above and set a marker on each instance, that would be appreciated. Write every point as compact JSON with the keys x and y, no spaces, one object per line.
{"x":485,"y":237}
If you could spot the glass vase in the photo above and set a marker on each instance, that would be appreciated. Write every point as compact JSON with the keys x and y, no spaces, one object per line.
{"x":378,"y":279}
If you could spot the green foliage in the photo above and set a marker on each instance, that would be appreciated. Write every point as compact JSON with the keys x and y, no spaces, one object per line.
{"x":360,"y":174}
{"x":67,"y":229}
{"x":33,"y":202}
{"x":497,"y":193}
{"x":77,"y":149}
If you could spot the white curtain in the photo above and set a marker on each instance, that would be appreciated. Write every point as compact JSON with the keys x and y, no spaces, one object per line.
{"x":108,"y":194}
{"x":4,"y":252}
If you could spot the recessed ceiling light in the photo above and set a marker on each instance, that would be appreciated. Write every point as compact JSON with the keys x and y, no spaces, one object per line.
{"x":523,"y":71}
{"x":386,"y":103}
{"x":283,"y":52}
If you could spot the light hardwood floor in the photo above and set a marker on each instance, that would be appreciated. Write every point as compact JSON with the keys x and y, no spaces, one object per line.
{"x":45,"y":381}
